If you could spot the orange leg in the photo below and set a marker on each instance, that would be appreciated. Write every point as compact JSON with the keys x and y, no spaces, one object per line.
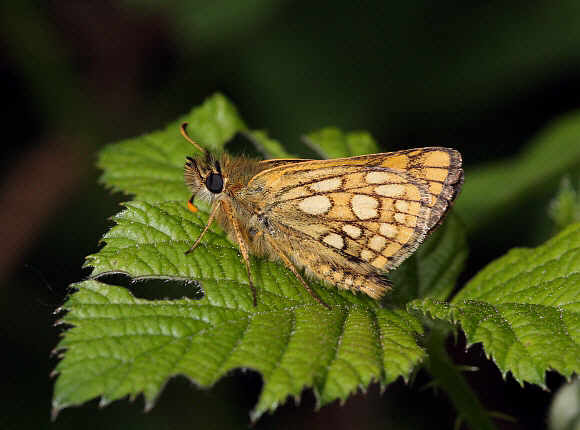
{"x":290,"y":266}
{"x":228,"y":211}
{"x":209,"y":220}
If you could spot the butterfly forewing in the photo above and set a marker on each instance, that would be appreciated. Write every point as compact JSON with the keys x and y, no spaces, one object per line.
{"x":349,"y":219}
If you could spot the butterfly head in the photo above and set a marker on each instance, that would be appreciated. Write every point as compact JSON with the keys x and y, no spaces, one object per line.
{"x":203,"y":174}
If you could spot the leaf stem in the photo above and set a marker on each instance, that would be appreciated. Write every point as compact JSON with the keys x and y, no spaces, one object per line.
{"x":452,"y":382}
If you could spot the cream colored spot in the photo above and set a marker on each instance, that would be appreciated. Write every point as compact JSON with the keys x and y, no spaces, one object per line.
{"x":379,"y":262}
{"x":366,"y":255}
{"x":402,"y":205}
{"x":334,"y":240}
{"x":348,"y":281}
{"x":364,"y":207}
{"x":337,"y":276}
{"x":378,"y":177}
{"x":377,"y":243}
{"x":315,"y":205}
{"x":400,"y":218}
{"x":391,"y":190}
{"x":352,"y":230}
{"x":326,"y":185}
{"x":388,"y":230}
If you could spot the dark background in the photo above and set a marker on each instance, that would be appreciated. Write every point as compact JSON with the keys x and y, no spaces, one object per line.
{"x":478,"y":76}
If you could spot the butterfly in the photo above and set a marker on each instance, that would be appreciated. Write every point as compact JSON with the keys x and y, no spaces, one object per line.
{"x":345,"y":221}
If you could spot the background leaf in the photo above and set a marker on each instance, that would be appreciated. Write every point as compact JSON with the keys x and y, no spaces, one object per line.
{"x":331,"y":142}
{"x":270,"y":148}
{"x":432,"y":270}
{"x":564,"y":208}
{"x":496,"y":187}
{"x":524,"y":308}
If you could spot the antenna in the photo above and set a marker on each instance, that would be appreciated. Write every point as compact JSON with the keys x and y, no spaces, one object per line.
{"x":184,"y":132}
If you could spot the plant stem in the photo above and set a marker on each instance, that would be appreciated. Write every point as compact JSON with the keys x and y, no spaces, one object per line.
{"x":452,"y":382}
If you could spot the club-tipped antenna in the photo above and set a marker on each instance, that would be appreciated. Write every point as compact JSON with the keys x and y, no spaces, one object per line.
{"x":184,"y":132}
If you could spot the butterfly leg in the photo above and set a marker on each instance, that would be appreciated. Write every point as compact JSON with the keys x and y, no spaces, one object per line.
{"x":290,"y":266}
{"x":209,"y":220}
{"x":228,"y":211}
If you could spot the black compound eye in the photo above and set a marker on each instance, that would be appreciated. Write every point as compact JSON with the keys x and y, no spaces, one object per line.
{"x":215,"y":183}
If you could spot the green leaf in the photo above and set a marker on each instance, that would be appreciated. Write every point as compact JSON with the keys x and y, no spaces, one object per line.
{"x":332,"y":143}
{"x":271,"y":148}
{"x":492,"y":188}
{"x":524,"y":308}
{"x":564,"y":209}
{"x":121,"y":345}
{"x":150,"y":167}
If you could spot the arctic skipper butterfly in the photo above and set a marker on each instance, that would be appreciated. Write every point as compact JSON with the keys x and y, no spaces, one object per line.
{"x":346,"y":221}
